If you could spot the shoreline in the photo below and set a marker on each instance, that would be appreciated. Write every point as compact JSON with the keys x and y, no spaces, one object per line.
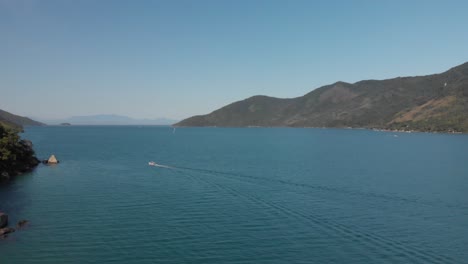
{"x":354,"y":128}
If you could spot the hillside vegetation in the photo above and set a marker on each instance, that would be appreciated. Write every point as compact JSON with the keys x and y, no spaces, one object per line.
{"x":437,"y":102}
{"x":16,"y":155}
{"x":14,"y":121}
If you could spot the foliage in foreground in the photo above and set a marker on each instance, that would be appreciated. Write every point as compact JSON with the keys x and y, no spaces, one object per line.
{"x":16,"y":155}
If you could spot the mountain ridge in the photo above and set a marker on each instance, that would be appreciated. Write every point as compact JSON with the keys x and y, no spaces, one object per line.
{"x":15,"y":121}
{"x":436,"y":102}
{"x":109,"y":119}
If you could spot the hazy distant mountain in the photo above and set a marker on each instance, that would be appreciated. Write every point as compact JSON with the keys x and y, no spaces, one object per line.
{"x":109,"y":120}
{"x":12,"y":120}
{"x":437,"y":102}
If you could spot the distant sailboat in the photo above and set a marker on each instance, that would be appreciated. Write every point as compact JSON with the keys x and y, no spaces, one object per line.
{"x":173,"y":130}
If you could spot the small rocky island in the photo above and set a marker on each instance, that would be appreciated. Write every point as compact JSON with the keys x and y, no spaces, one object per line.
{"x":52,"y":160}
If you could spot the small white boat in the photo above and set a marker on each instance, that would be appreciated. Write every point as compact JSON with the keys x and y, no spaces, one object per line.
{"x":152,"y":163}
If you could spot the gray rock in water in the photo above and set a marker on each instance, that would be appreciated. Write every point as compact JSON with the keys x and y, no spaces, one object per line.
{"x":22,"y":224}
{"x":3,"y":220}
{"x":6,"y":230}
{"x":52,"y":160}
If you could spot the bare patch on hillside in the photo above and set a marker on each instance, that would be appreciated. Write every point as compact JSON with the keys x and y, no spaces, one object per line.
{"x":432,"y":108}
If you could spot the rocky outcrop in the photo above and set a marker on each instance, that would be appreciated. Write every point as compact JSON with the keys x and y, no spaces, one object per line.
{"x":22,"y":223}
{"x":52,"y":160}
{"x":6,"y":230}
{"x":16,"y":154}
{"x":3,"y":220}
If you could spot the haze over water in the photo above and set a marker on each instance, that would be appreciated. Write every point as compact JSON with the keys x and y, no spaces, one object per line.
{"x":252,"y":195}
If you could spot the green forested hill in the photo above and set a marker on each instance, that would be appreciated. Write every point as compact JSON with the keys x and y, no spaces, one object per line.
{"x":437,"y":102}
{"x":11,"y":120}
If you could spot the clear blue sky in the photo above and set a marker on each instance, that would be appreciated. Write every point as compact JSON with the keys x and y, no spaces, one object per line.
{"x":175,"y":59}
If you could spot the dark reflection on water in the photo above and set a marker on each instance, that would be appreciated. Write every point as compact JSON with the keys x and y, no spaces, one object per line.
{"x":13,"y":198}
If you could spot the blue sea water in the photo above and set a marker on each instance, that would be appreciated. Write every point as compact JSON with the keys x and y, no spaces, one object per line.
{"x":233,"y":195}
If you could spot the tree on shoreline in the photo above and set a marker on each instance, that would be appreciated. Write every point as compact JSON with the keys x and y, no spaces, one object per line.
{"x":16,"y":155}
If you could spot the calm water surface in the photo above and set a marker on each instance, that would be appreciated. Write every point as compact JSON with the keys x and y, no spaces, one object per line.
{"x":259,"y":195}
